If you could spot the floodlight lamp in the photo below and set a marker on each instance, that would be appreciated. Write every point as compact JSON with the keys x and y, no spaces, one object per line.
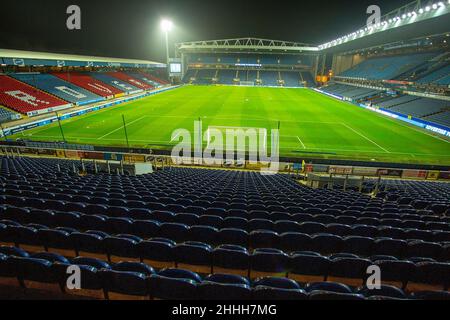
{"x":166,"y":25}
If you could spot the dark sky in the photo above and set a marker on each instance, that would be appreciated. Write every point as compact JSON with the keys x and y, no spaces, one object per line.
{"x":130,"y":28}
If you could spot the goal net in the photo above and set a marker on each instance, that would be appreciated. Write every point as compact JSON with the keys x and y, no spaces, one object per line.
{"x":246,"y":135}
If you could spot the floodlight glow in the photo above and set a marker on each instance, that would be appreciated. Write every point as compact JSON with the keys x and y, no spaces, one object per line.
{"x":166,"y":25}
{"x":421,"y":11}
{"x":434,"y":6}
{"x":427,"y":8}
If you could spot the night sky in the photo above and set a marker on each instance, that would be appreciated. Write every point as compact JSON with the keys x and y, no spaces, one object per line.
{"x":130,"y":28}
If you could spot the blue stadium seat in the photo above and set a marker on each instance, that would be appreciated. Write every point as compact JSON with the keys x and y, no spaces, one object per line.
{"x":231,"y":259}
{"x":309,"y":268}
{"x":195,"y":256}
{"x":350,"y":271}
{"x":384,"y":291}
{"x":124,"y":285}
{"x":268,"y":262}
{"x":157,"y":252}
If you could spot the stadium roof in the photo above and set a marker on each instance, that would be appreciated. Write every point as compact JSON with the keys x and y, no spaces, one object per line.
{"x":29,"y":58}
{"x":414,"y":20}
{"x":246,"y":44}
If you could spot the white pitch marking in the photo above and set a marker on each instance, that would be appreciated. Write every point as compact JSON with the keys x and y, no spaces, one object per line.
{"x":121,"y":127}
{"x":360,"y":134}
{"x":303,"y":145}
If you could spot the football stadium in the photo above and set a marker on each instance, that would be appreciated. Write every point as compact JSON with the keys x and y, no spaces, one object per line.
{"x":235,"y":169}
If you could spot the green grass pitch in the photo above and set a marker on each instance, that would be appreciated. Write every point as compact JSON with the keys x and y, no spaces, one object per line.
{"x":312,"y":125}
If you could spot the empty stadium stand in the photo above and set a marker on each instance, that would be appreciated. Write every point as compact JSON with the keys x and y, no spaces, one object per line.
{"x":190,"y":74}
{"x":308,"y":79}
{"x":180,"y":230}
{"x":7,"y":115}
{"x":154,"y":78}
{"x":291,"y":79}
{"x":269,"y":78}
{"x":259,"y":77}
{"x":442,"y":118}
{"x":351,"y":92}
{"x":389,"y":67}
{"x":205,"y":76}
{"x":421,"y":107}
{"x":144,"y":79}
{"x":87,"y":82}
{"x":431,"y":110}
{"x":440,"y":76}
{"x":242,"y":59}
{"x":116,"y":83}
{"x":133,"y":81}
{"x":250,"y":75}
{"x":227,"y":76}
{"x":57,"y":87}
{"x":24,"y":98}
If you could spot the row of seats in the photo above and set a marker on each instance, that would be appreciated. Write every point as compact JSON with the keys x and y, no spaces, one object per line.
{"x":440,"y":76}
{"x":67,"y":229}
{"x":243,"y":223}
{"x":129,"y":79}
{"x":99,"y":203}
{"x":28,"y":92}
{"x":116,"y":83}
{"x":162,"y":188}
{"x":428,"y":109}
{"x":78,"y":215}
{"x":387,"y":67}
{"x":85,"y":81}
{"x":24,"y":98}
{"x":57,"y":87}
{"x":134,"y":280}
{"x":6,"y":114}
{"x":145,"y":79}
{"x":421,"y":107}
{"x":442,"y":118}
{"x":250,"y":59}
{"x":266,"y":78}
{"x":155,"y":78}
{"x":351,"y":92}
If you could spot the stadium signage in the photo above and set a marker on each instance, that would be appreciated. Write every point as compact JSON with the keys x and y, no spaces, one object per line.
{"x":438,"y":130}
{"x":248,"y":65}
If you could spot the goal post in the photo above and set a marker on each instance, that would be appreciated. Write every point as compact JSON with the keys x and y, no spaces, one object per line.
{"x":246,"y":132}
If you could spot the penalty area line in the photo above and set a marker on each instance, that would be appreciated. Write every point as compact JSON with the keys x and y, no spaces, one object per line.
{"x":121,"y":127}
{"x":361,"y":135}
{"x":303,"y":145}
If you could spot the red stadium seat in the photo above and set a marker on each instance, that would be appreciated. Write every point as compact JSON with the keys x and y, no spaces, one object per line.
{"x":24,"y":98}
{"x":135,"y":82}
{"x":89,"y":83}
